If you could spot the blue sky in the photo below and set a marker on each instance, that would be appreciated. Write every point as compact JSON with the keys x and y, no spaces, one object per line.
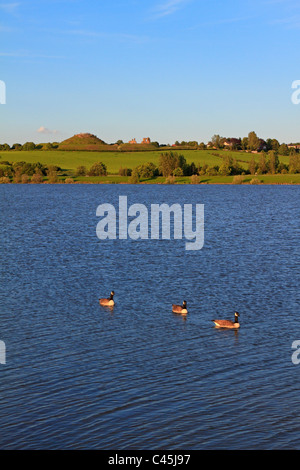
{"x":165,"y":69}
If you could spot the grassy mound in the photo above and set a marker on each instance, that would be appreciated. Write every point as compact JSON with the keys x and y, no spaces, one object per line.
{"x":85,"y":141}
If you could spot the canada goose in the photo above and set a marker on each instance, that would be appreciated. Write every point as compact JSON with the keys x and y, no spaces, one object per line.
{"x":108,"y":302}
{"x":228,"y":323}
{"x":179,"y":308}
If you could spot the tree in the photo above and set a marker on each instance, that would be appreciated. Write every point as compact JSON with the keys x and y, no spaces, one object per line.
{"x":192,"y":170}
{"x":234,"y":144}
{"x":212,"y":170}
{"x":98,"y":169}
{"x":216,"y":141}
{"x":125,"y":171}
{"x":283,"y":150}
{"x":202,"y":170}
{"x":4,"y":147}
{"x":134,"y":178}
{"x":50,"y":146}
{"x":24,"y":179}
{"x":262,"y":145}
{"x":294,"y":166}
{"x":245,"y":143}
{"x":52,"y":174}
{"x":253,"y":141}
{"x":252,"y":166}
{"x":230,"y":166}
{"x":282,"y":168}
{"x":39,"y":167}
{"x":28,"y":146}
{"x":168,"y":161}
{"x":273,"y":161}
{"x":17,"y":177}
{"x":195,"y":179}
{"x":36,"y":178}
{"x":262,"y":164}
{"x":275,"y":145}
{"x":147,"y":170}
{"x":4,"y":180}
{"x":81,"y":171}
{"x":178,"y":172}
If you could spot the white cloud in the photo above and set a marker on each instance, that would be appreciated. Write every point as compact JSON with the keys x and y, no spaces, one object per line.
{"x":45,"y":130}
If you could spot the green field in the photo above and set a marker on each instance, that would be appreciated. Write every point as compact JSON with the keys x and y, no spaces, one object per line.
{"x":70,"y":160}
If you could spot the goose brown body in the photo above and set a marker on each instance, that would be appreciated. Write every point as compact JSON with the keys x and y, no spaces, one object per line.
{"x":180,"y":308}
{"x":108,"y":302}
{"x":228,"y":323}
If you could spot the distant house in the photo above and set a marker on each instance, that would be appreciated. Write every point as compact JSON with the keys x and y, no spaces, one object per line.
{"x":294,"y":146}
{"x":133,"y":141}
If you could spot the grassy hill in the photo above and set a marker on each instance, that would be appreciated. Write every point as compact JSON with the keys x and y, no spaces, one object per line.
{"x":90,"y":142}
{"x":85,"y":141}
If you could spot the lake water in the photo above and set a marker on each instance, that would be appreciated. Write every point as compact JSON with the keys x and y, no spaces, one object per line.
{"x":79,"y":376}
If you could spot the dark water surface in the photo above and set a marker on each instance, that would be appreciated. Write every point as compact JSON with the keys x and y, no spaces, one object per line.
{"x":79,"y":376}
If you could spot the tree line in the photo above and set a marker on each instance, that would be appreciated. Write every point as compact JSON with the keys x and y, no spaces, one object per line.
{"x":24,"y":172}
{"x":172,"y":164}
{"x":30,"y":146}
{"x":251,"y":143}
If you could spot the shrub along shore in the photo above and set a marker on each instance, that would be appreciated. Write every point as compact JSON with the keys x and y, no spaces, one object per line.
{"x":148,"y":167}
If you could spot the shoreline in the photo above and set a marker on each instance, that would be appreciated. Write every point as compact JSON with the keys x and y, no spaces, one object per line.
{"x":154,"y":184}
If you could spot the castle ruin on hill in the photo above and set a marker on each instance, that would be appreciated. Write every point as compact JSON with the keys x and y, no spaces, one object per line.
{"x":146,"y":140}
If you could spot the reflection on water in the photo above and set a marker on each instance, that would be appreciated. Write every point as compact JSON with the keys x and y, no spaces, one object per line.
{"x":137,"y":376}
